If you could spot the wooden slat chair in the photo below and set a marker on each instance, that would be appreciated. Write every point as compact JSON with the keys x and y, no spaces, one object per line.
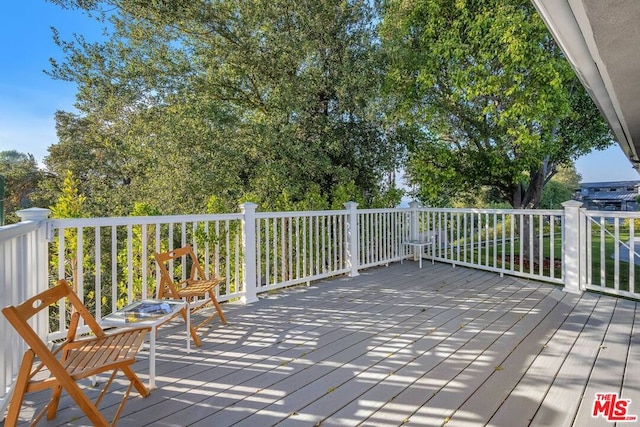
{"x":198,"y":290}
{"x":74,"y":359}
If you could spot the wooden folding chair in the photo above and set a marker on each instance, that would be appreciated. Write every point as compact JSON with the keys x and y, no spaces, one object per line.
{"x":74,"y":359}
{"x":198,"y":290}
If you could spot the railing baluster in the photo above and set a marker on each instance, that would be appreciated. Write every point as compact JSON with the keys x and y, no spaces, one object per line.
{"x":216,"y":250}
{"x":129,"y":263}
{"x":267,"y":244}
{"x":552,"y":246}
{"x":98,"y":273}
{"x":304,"y":246}
{"x":157,"y":250}
{"x":283,"y":250}
{"x":183,"y":240}
{"x":504,"y":242}
{"x":531,"y":244}
{"x":144,"y":259}
{"x":632,"y":255}
{"x":338,"y":244}
{"x":79,"y":276}
{"x":495,"y":239}
{"x":372,"y":241}
{"x":602,"y":252}
{"x":616,"y":254}
{"x":487,"y":225}
{"x":237,"y":280}
{"x":227,"y":256}
{"x":297,"y":247}
{"x":521,"y":234}
{"x":540,"y":245}
{"x":114,"y":268}
{"x":326,"y":243}
{"x":207,"y":243}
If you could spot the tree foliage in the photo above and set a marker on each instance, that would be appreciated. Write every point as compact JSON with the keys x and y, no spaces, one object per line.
{"x":560,"y":188}
{"x":70,"y":204}
{"x":22,"y":177}
{"x":238,"y":100}
{"x":496,"y":101}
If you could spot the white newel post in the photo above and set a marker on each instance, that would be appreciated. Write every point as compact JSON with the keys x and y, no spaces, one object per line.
{"x":414,"y":229}
{"x":352,"y":238}
{"x":571,"y":251}
{"x":37,"y":260}
{"x":249,"y":260}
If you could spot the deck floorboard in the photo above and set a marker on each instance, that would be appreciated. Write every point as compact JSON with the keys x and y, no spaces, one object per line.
{"x":394,"y":346}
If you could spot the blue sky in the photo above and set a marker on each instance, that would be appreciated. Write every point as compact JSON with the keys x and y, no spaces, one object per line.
{"x":29,"y":98}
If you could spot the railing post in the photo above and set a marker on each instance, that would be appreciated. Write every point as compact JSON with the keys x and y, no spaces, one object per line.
{"x":249,"y":282}
{"x":573,"y":254}
{"x":414,"y":228}
{"x":352,"y":238}
{"x":37,"y":279}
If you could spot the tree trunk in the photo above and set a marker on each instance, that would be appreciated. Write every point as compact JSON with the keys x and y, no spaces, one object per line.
{"x":529,"y":198}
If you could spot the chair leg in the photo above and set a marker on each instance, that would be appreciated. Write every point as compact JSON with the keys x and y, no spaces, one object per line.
{"x":196,"y":338}
{"x":142,"y":389}
{"x":79,"y":397}
{"x":106,"y":387}
{"x":193,"y":331}
{"x":218,"y":308}
{"x":56,"y":392}
{"x":20,"y":388}
{"x":121,"y":406}
{"x":53,"y":403}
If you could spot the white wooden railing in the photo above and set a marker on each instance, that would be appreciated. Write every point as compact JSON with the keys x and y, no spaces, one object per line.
{"x":110,"y":260}
{"x":23,"y":273}
{"x":611,"y":246}
{"x":524,"y":243}
{"x":299,"y":247}
{"x":380,"y":236}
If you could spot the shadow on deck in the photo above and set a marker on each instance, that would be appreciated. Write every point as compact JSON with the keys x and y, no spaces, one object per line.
{"x":394,"y":346}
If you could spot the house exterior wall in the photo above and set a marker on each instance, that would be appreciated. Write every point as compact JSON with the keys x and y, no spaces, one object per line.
{"x":609,"y":196}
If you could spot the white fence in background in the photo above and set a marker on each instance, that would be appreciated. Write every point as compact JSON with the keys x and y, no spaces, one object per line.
{"x":110,"y":260}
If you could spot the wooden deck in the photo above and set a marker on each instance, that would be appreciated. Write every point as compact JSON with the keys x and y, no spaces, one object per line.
{"x":394,"y":346}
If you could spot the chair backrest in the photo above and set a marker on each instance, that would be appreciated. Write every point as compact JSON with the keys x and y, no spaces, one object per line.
{"x":20,"y":315}
{"x":167,"y":280}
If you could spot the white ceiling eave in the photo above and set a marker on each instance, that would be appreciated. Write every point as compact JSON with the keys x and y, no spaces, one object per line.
{"x":572,"y":25}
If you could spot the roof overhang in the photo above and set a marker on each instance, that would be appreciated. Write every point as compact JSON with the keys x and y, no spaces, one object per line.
{"x":601,"y":40}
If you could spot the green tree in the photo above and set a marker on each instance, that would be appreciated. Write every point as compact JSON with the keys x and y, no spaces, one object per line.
{"x":137,"y":261}
{"x":98,"y":159}
{"x":496,"y":101}
{"x":560,"y":188}
{"x":22,"y":177}
{"x":227,"y":98}
{"x":70,"y":204}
